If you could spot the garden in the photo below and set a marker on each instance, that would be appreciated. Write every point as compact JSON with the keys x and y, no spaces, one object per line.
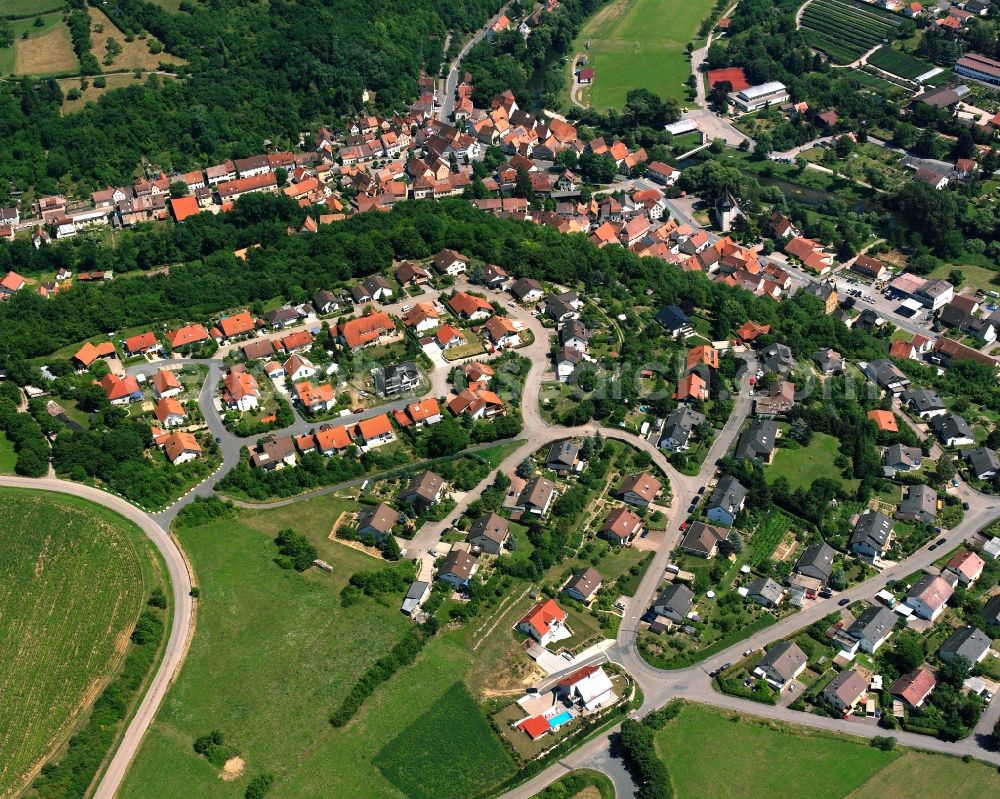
{"x":844,"y":29}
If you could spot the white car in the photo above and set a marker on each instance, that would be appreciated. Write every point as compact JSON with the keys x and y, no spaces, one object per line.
{"x":791,"y":687}
{"x":405,"y":308}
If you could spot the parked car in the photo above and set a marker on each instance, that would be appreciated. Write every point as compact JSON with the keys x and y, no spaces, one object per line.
{"x":940,"y":541}
{"x":844,"y":601}
{"x":965,"y":506}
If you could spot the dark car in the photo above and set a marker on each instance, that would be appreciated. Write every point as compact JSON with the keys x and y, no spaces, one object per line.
{"x":932,"y":547}
{"x":940,"y":541}
{"x":965,"y":506}
{"x":844,"y":601}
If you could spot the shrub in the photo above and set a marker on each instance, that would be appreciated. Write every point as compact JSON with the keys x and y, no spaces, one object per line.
{"x":259,"y":786}
{"x":884,"y":742}
{"x":295,"y":551}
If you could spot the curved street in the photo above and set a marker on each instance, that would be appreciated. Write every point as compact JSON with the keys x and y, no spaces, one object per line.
{"x":658,"y":686}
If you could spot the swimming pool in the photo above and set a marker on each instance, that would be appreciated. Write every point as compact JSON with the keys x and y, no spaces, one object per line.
{"x":557,"y":721}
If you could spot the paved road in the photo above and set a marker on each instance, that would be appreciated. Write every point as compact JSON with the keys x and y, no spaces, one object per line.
{"x":180,"y":630}
{"x":450,"y":82}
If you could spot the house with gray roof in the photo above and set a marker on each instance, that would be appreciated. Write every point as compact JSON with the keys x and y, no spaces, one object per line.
{"x":991,"y":611}
{"x":872,"y":628}
{"x":970,"y":643}
{"x":846,"y":689}
{"x":563,"y":457}
{"x":924,"y":402}
{"x":765,"y":591}
{"x":778,"y":358}
{"x":415,"y":596}
{"x":675,"y":322}
{"x":887,"y":375}
{"x":489,"y":533}
{"x":377,"y":520}
{"x":757,"y":441}
{"x":782,"y":663}
{"x":816,"y":561}
{"x":919,"y":505}
{"x":828,"y":362}
{"x":983,"y":462}
{"x":584,"y":585}
{"x":871,"y":536}
{"x":953,"y":430}
{"x":678,"y":428}
{"x":726,"y":501}
{"x":901,"y":458}
{"x":674,"y":602}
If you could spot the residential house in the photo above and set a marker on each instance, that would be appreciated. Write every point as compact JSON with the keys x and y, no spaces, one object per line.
{"x":816,"y":561}
{"x":563,"y":457}
{"x":543,"y":622}
{"x":674,"y":602}
{"x":914,"y":688}
{"x":424,"y":490}
{"x":970,"y":643}
{"x":925,"y":403}
{"x":778,"y":358}
{"x":991,"y":611}
{"x":846,"y":689}
{"x":574,"y":334}
{"x":953,"y":430}
{"x":449,"y":262}
{"x":691,"y":388}
{"x":273,"y":453}
{"x":315,"y":398}
{"x":411,"y":274}
{"x":165,"y":384}
{"x":169,"y":412}
{"x":187,"y":336}
{"x":332,"y":439}
{"x":884,"y":420}
{"x":621,"y":526}
{"x":536,"y":496}
{"x":871,"y":268}
{"x":142,"y":344}
{"x":825,"y":293}
{"x":325,"y":302}
{"x":180,"y":447}
{"x":401,"y":378}
{"x":377,"y":520}
{"x":469,"y":307}
{"x":928,"y":596}
{"x":257,"y":349}
{"x":675,"y":322}
{"x":900,"y":458}
{"x":478,"y":403}
{"x":502,"y":332}
{"x":489,"y":533}
{"x":458,"y":568}
{"x":374,"y":432}
{"x":639,"y":489}
{"x":365,"y":331}
{"x":872,"y":628}
{"x":703,"y":354}
{"x":421,"y":413}
{"x":236,"y":325}
{"x":421,"y":317}
{"x":703,"y":539}
{"x":589,"y":686}
{"x":983,"y":462}
{"x":758,"y":440}
{"x":417,"y":593}
{"x":584,"y":585}
{"x":494,"y":277}
{"x":240,"y":390}
{"x":871,"y":536}
{"x":782,"y":664}
{"x":967,"y":565}
{"x":765,"y":591}
{"x":298,"y":368}
{"x":120,"y":390}
{"x":678,"y":428}
{"x":887,"y":375}
{"x":726,"y":501}
{"x":779,"y":398}
{"x":526,"y":290}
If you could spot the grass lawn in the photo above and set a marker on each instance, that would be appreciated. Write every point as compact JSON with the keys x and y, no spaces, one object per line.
{"x":803,"y":465}
{"x":639,"y":44}
{"x":73,"y":580}
{"x":8,"y":55}
{"x":919,"y":774}
{"x":48,"y":52}
{"x":979,"y":277}
{"x":423,"y":763}
{"x":274,"y":654}
{"x":134,"y":54}
{"x":495,"y":455}
{"x":711,"y":757}
{"x":8,"y":458}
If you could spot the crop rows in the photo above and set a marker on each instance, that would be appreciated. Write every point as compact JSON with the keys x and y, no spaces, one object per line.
{"x":843,"y":31}
{"x":70,"y":585}
{"x":898,"y":63}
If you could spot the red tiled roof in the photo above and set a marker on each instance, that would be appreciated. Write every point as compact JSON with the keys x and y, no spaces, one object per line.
{"x":89,"y":353}
{"x":183,"y":207}
{"x":541,"y":617}
{"x":189,"y":334}
{"x":141,"y":343}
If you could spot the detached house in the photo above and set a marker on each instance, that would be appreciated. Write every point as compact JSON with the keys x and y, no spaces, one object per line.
{"x":424,"y":490}
{"x":240,"y":390}
{"x":953,"y":430}
{"x":872,"y":628}
{"x":584,"y":585}
{"x":846,"y":690}
{"x":374,"y":432}
{"x":674,"y":602}
{"x":928,"y":596}
{"x":489,"y":533}
{"x":469,"y":307}
{"x":640,"y":489}
{"x":449,"y":262}
{"x":458,"y":568}
{"x":914,"y":688}
{"x":621,"y":527}
{"x":871,"y":536}
{"x":726,"y":501}
{"x":544,"y":622}
{"x":782,"y":664}
{"x":536,"y":496}
{"x":970,"y":643}
{"x":377,"y":520}
{"x":919,"y":505}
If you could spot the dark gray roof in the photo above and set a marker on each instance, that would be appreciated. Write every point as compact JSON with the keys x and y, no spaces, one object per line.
{"x":991,"y":611}
{"x":919,"y":499}
{"x":872,"y":624}
{"x":778,"y":358}
{"x":923,"y":399}
{"x":765,"y":587}
{"x":563,"y":453}
{"x":828,"y":359}
{"x":729,"y":494}
{"x":872,"y":529}
{"x":678,"y":597}
{"x":900,"y":454}
{"x":982,"y":460}
{"x":757,"y":441}
{"x":886,"y":373}
{"x":416,"y":590}
{"x":817,"y":558}
{"x":950,"y":426}
{"x":967,"y":642}
{"x":573,"y":328}
{"x":672,"y":318}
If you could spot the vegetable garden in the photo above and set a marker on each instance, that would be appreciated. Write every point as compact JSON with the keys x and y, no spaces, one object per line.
{"x":845,"y":30}
{"x":898,"y":63}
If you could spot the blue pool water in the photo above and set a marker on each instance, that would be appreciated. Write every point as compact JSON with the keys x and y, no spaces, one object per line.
{"x":557,"y":721}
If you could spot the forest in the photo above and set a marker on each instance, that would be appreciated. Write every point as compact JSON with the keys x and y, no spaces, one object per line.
{"x":255,"y":71}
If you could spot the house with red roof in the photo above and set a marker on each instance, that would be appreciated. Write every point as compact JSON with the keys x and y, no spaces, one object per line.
{"x":332,"y":440}
{"x":915,"y":687}
{"x":169,"y":412}
{"x":469,"y":306}
{"x":420,"y":413}
{"x":315,"y":398}
{"x":11,"y":283}
{"x":186,"y":336}
{"x":120,"y":390}
{"x":374,"y":432}
{"x":967,"y":565}
{"x":183,"y":207}
{"x":749,"y":331}
{"x":89,"y":353}
{"x":544,"y":622}
{"x":294,"y":342}
{"x":690,"y":388}
{"x":165,"y":384}
{"x":366,"y":331}
{"x":621,"y":526}
{"x":501,"y":332}
{"x":180,"y":447}
{"x":240,"y":390}
{"x":237,"y":325}
{"x":448,"y":337}
{"x":143,"y":343}
{"x":478,"y":403}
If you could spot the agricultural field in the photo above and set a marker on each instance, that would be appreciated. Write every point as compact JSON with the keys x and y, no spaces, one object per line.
{"x":711,"y":757}
{"x":845,"y":30}
{"x":49,"y":53}
{"x":423,"y":763}
{"x":73,"y":579}
{"x":20,"y":8}
{"x":639,"y":44}
{"x":899,"y":63}
{"x":919,"y":774}
{"x":37,"y":34}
